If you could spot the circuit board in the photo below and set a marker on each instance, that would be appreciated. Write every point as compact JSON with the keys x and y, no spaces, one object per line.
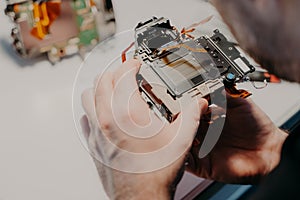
{"x":59,"y":28}
{"x":177,"y":67}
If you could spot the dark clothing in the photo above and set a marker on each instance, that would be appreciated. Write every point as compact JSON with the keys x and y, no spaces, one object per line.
{"x":284,"y":182}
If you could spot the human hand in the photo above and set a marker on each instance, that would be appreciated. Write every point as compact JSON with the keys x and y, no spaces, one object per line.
{"x":249,"y":146}
{"x":137,"y":155}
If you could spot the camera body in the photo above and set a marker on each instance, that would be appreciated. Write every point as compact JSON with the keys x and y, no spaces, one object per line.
{"x":176,"y":67}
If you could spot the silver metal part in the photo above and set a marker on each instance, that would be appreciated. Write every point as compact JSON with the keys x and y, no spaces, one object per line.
{"x":176,"y":69}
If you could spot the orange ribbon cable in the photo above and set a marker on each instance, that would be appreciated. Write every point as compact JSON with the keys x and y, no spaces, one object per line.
{"x":92,"y":3}
{"x":125,"y":51}
{"x":44,"y":14}
{"x":199,"y":50}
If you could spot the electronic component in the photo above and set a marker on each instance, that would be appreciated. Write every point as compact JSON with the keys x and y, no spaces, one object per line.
{"x":177,"y":68}
{"x":260,"y":76}
{"x":59,"y":28}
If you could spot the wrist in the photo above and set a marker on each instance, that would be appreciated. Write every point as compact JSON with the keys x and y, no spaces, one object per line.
{"x":149,"y":193}
{"x":278,"y":138}
{"x":142,"y":188}
{"x":146,"y":192}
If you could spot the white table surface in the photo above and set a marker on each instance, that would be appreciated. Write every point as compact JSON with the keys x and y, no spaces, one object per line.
{"x":41,"y":156}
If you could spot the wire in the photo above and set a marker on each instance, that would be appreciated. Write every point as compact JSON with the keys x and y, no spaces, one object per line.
{"x":201,"y":22}
{"x":248,"y":79}
{"x":125,"y":51}
{"x":260,"y":87}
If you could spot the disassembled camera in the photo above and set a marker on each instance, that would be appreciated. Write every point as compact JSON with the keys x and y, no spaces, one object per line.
{"x":176,"y":67}
{"x":59,"y":28}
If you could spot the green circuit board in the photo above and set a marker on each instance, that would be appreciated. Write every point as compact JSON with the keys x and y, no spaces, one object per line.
{"x":88,"y":33}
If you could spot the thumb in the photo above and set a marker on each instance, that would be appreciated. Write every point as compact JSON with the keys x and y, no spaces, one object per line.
{"x":186,"y":125}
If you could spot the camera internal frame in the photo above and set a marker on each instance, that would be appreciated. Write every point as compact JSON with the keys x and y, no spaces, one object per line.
{"x":176,"y":67}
